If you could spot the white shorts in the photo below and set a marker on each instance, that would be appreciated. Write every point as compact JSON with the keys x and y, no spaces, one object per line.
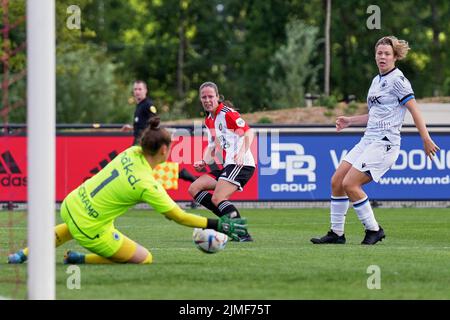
{"x":374,"y":158}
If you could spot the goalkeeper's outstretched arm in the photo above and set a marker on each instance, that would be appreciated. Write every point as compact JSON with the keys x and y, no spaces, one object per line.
{"x":231,"y":227}
{"x":186,"y":219}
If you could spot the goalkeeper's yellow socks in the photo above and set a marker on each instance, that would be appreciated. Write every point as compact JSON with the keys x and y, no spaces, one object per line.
{"x":148,"y":260}
{"x":73,"y":257}
{"x":92,"y":258}
{"x":62,"y":234}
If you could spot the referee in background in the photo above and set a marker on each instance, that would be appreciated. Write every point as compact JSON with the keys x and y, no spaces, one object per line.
{"x":145,"y":110}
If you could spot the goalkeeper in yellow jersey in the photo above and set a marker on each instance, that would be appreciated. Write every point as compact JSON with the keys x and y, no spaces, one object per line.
{"x":89,"y":211}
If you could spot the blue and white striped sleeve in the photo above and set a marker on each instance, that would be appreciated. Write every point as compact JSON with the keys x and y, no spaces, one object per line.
{"x":402,"y":89}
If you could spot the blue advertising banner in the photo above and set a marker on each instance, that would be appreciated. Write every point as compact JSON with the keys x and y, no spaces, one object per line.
{"x":300,"y":166}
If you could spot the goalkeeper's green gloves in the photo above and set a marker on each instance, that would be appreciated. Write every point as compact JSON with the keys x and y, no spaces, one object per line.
{"x":232,"y":227}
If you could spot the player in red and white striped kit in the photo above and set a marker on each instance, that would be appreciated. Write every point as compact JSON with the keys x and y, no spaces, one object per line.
{"x":228,"y":132}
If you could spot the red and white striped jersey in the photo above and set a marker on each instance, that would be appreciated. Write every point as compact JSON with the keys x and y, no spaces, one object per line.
{"x":225,"y":130}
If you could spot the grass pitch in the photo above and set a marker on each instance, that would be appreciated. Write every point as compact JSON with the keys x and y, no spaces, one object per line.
{"x":282,"y":263}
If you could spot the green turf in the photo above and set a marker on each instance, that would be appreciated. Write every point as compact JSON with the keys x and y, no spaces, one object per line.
{"x":414,"y":260}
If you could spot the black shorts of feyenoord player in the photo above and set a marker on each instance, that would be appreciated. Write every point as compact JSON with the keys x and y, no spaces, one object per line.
{"x":237,"y":175}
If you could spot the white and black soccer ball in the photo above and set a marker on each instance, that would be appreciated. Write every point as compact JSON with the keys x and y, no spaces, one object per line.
{"x":209,"y":240}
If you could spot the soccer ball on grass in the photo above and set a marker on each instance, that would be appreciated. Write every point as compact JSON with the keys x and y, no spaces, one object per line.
{"x":209,"y":240}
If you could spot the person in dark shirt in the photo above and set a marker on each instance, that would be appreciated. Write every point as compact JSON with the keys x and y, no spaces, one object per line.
{"x":145,"y":110}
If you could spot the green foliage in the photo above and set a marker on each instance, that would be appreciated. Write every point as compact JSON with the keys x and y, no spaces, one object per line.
{"x":329,"y":102}
{"x":292,"y":72}
{"x":70,"y":39}
{"x":262,"y":54}
{"x":446,"y":87}
{"x":329,"y":113}
{"x":16,"y":95}
{"x":89,"y":92}
{"x":352,"y":107}
{"x":175,"y":111}
{"x":264,"y":120}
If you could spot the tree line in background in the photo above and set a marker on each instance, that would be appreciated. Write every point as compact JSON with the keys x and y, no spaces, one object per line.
{"x":262,"y":54}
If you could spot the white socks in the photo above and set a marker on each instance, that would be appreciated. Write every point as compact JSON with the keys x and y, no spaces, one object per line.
{"x":365,"y":214}
{"x":338,"y":210}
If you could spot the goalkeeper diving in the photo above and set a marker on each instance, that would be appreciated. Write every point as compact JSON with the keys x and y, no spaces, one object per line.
{"x":89,"y":211}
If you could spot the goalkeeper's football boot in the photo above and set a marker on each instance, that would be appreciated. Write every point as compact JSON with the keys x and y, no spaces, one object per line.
{"x":73,"y":257}
{"x":373,"y":237}
{"x":17,"y":258}
{"x":330,"y":237}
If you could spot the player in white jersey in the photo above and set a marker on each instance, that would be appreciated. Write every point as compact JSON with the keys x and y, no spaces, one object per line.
{"x":229,"y":133}
{"x":389,"y":96}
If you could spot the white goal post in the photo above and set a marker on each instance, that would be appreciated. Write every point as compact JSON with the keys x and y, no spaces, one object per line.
{"x":41,"y":148}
